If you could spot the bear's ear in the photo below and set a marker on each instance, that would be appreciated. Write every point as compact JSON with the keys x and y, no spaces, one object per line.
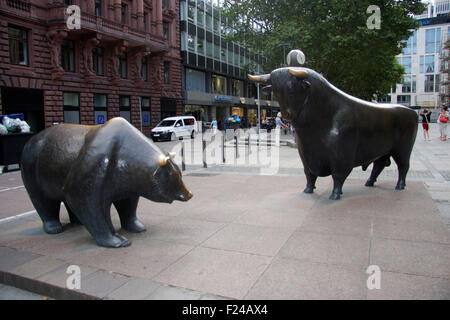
{"x":162,"y":160}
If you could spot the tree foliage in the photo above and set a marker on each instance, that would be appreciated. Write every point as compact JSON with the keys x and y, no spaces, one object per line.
{"x":334,"y":36}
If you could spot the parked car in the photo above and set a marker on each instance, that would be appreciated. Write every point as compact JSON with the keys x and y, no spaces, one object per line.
{"x":174,"y":127}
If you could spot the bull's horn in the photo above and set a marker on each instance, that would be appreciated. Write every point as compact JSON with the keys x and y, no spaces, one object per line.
{"x":172,"y":155}
{"x":265,"y":78}
{"x":162,"y":160}
{"x":298,"y":73}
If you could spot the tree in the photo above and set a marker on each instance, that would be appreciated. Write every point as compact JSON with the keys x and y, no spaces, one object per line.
{"x":334,"y":36}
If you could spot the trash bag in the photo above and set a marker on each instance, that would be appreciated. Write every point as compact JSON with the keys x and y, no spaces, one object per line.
{"x":10,"y":124}
{"x":24,"y":127}
{"x":3,"y":130}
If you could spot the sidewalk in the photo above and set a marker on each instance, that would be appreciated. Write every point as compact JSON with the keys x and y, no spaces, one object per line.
{"x":251,"y":236}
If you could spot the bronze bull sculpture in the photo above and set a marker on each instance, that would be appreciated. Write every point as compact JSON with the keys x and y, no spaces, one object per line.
{"x":89,"y":168}
{"x":337,"y":132}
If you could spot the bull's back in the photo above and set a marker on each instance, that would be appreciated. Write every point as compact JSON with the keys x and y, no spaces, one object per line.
{"x":48,"y":157}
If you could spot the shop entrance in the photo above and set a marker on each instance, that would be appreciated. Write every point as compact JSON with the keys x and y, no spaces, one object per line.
{"x":30,"y":102}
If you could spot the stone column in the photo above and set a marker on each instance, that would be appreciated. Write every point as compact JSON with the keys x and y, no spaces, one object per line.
{"x":140,"y":14}
{"x":159,"y":20}
{"x":117,"y":10}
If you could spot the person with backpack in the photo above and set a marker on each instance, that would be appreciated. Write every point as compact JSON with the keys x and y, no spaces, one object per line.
{"x":443,"y":120}
{"x":426,"y":119}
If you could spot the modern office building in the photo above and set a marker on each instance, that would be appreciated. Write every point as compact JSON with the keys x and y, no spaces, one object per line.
{"x":215,"y":71}
{"x":424,"y":59}
{"x":121,"y":57}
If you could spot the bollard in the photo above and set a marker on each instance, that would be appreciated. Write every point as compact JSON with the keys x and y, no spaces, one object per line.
{"x":204,"y":154}
{"x":183,"y":165}
{"x":236,"y":152}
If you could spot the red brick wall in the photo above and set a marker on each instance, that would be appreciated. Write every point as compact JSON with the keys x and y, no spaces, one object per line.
{"x":38,"y":75}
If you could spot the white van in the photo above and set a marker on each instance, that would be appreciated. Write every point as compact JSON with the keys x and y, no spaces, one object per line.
{"x":173,"y":127}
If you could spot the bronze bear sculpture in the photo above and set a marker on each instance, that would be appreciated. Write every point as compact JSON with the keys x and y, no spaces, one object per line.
{"x":337,"y":132}
{"x":91,"y":167}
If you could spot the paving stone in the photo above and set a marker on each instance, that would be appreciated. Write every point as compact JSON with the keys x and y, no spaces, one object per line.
{"x":101,"y":283}
{"x":173,"y":293}
{"x":327,"y":248}
{"x":292,"y":279}
{"x":418,"y":258}
{"x":135,"y":289}
{"x":398,"y":286}
{"x":250,"y":239}
{"x":37,"y":267}
{"x":219,"y":272}
{"x":11,"y":258}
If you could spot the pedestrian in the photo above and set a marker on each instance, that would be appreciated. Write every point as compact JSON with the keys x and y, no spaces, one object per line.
{"x":214,"y":126}
{"x":426,"y":119}
{"x":442,"y":120}
{"x":279,"y":122}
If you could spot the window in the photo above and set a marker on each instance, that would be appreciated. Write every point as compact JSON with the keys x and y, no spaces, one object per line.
{"x":125,"y":107}
{"x":144,"y":69}
{"x":411,"y":45}
{"x":67,"y":55}
{"x":200,"y":16}
{"x":123,"y":14}
{"x":195,"y":80}
{"x":98,"y":7}
{"x":437,"y":83}
{"x":191,"y":42}
{"x":427,"y":64}
{"x":97,"y":61}
{"x":71,"y":107}
{"x":100,"y":110}
{"x":18,"y":46}
{"x":219,"y":84}
{"x":216,"y":25}
{"x":429,"y":83}
{"x":166,"y":72}
{"x":165,"y":4}
{"x":386,"y":99}
{"x":200,"y":47}
{"x":123,"y":66}
{"x":165,"y":30}
{"x":191,"y":10}
{"x":208,"y":21}
{"x":216,"y":51}
{"x":145,"y":21}
{"x":433,"y":40}
{"x":238,"y":88}
{"x":404,"y":99}
{"x":209,"y":48}
{"x":145,"y":111}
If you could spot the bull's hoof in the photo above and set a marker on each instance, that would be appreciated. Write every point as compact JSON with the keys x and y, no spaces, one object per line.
{"x":115,"y":241}
{"x":370,"y":183}
{"x":400,"y":187}
{"x":309,"y":190}
{"x":134,"y":226}
{"x":335,"y":196}
{"x":53,"y":227}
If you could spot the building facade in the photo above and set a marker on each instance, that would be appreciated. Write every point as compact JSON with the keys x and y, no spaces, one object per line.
{"x":215,"y":71}
{"x":121,"y":59}
{"x":423,"y":58}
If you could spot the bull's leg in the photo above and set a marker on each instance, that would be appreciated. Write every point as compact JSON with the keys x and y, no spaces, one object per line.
{"x":96,"y":218}
{"x":403,"y":167}
{"x":127,"y":213}
{"x":378,"y":166}
{"x":310,"y":181}
{"x":338,"y":182}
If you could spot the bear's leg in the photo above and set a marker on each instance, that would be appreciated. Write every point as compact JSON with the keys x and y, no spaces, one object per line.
{"x":48,"y":211}
{"x":127,"y":213}
{"x":72,"y":217}
{"x":97,"y":220}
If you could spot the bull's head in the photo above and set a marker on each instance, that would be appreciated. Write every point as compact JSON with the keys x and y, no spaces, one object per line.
{"x":291,"y":87}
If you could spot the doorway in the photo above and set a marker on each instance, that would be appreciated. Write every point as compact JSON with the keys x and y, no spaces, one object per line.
{"x":30,"y":102}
